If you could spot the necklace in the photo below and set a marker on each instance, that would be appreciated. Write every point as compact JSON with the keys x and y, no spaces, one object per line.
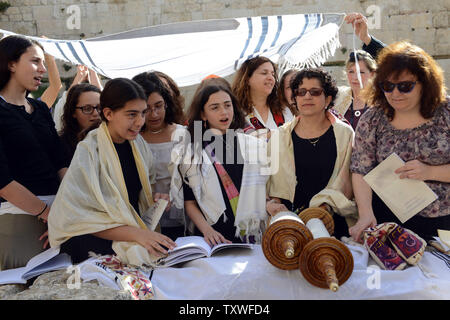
{"x":314,"y":141}
{"x":155,"y":132}
{"x":356,"y":113}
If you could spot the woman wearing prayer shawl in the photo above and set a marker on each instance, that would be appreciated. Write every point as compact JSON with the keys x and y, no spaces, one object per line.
{"x":313,"y":154}
{"x":217,"y":175}
{"x":32,"y":160}
{"x":255,"y":86}
{"x":103,"y":203}
{"x":164,"y":116}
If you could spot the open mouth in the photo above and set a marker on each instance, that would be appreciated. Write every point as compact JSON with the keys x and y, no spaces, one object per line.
{"x":38,"y":80}
{"x":224,"y":121}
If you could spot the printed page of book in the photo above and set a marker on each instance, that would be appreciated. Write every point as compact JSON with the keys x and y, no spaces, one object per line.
{"x":404,"y":197}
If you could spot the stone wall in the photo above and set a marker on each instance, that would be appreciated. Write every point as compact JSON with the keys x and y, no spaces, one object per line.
{"x":425,"y":23}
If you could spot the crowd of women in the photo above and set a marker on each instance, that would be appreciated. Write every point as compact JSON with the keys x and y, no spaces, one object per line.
{"x":90,"y":186}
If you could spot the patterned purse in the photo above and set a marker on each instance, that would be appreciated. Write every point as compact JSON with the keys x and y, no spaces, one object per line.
{"x":393,"y":247}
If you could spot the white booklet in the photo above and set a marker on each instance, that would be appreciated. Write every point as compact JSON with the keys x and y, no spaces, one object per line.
{"x":152,"y":216}
{"x":195,"y":247}
{"x":49,"y":260}
{"x":404,"y":197}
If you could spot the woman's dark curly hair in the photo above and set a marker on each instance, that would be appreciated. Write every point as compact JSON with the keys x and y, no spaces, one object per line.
{"x":151,"y":83}
{"x":326,"y":81}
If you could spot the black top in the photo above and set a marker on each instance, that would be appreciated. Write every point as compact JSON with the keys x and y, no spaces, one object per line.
{"x":30,"y":149}
{"x":130,"y":173}
{"x":374,"y":47}
{"x":353,"y":116}
{"x":313,"y":166}
{"x":231,"y":160}
{"x":68,"y":148}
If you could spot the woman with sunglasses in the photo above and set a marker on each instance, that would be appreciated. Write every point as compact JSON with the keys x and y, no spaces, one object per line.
{"x":32,"y":162}
{"x":315,"y":150}
{"x":410,"y":117}
{"x":163,"y":118}
{"x":255,"y":86}
{"x":81,"y":113}
{"x":104,"y":203}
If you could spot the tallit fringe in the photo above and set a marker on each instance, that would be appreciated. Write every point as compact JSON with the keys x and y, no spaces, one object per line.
{"x":252,"y":227}
{"x":317,"y":59}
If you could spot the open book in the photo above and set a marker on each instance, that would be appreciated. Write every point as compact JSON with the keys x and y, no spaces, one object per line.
{"x":49,"y":260}
{"x":195,"y":247}
{"x":405,"y":197}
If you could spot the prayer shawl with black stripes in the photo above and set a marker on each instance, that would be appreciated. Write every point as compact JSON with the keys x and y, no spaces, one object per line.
{"x":190,"y":51}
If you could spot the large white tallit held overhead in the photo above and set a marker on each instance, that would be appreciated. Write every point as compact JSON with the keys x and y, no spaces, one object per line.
{"x":189,"y":51}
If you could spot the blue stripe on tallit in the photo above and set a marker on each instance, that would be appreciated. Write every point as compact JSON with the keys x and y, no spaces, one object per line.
{"x":250,"y":35}
{"x":262,"y":38}
{"x":289,"y":45}
{"x":61,"y":50}
{"x":277,"y":35}
{"x":74,"y":53}
{"x":95,"y":67}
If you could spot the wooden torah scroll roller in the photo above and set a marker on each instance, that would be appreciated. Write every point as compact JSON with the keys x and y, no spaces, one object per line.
{"x":284,"y":240}
{"x":325,"y":262}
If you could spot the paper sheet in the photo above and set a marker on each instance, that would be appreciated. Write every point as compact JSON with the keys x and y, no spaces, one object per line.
{"x":405,"y":197}
{"x":444,"y":236}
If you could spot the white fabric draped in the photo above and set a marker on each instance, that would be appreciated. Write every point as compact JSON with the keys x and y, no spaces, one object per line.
{"x":189,"y":51}
{"x":238,"y":274}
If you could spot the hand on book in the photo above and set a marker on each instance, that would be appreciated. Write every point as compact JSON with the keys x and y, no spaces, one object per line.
{"x":212,"y":237}
{"x":154,"y":242}
{"x":364,"y":222}
{"x":414,"y":169}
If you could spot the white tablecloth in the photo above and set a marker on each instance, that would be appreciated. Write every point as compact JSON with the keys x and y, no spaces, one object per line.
{"x":242,"y":274}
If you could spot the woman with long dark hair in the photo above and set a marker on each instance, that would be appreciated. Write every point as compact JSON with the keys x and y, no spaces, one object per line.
{"x":255,"y":86}
{"x":223,"y":189}
{"x":81,"y":112}
{"x":32,"y":162}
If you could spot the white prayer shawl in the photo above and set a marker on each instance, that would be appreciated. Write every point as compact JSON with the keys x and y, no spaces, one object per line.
{"x":93,"y":196}
{"x":251,"y":215}
{"x":190,"y":51}
{"x":338,"y":193}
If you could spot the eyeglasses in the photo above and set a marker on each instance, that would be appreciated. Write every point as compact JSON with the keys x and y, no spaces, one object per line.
{"x":88,"y":109}
{"x":315,"y":92}
{"x":157,"y":108}
{"x":403,"y":87}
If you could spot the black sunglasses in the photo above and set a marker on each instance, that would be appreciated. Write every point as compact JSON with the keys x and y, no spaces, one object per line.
{"x":403,"y":87}
{"x":315,"y":92}
{"x":88,"y":109}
